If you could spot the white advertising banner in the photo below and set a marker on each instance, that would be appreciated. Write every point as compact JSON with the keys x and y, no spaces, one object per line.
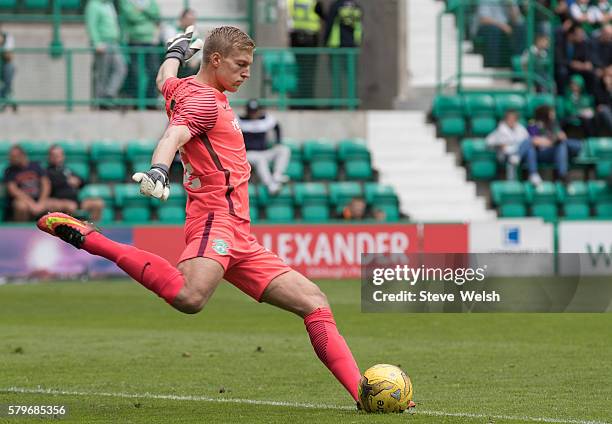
{"x":593,"y":240}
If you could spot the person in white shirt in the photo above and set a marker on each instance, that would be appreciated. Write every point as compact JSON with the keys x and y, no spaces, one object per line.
{"x":511,"y":139}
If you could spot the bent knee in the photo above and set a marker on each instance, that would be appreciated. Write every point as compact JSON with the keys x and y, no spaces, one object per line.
{"x":190,"y":304}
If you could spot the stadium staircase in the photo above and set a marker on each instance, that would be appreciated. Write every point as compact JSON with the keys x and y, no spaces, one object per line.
{"x":430,"y":184}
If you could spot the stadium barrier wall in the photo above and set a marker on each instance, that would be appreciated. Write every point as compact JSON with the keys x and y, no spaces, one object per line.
{"x":319,"y":251}
{"x":591,"y":238}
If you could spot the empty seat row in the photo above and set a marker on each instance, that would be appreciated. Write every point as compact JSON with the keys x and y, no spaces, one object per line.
{"x":577,"y":200}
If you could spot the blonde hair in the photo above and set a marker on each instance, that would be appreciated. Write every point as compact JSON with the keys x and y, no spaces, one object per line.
{"x":224,"y":39}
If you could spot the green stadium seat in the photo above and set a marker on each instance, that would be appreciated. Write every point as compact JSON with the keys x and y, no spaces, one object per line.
{"x":128,"y":195}
{"x":319,"y":149}
{"x":383,"y":197}
{"x":254,"y":214}
{"x":480,"y":110}
{"x":313,"y":199}
{"x":108,"y":215}
{"x":8,"y":4}
{"x":510,"y":197}
{"x":543,"y":199}
{"x":70,"y":4}
{"x":5,"y":146}
{"x":111,"y":171}
{"x":508,"y":101}
{"x":358,"y":169}
{"x":323,"y":169}
{"x":80,"y":168}
{"x":253,"y":195}
{"x":392,"y":213}
{"x":36,"y":4}
{"x":352,"y":149}
{"x":137,"y":151}
{"x":281,"y":70}
{"x":447,"y":105}
{"x":171,"y":214}
{"x":280,"y":213}
{"x":3,"y":166}
{"x":452,"y":126}
{"x":600,"y":194}
{"x":102,"y":191}
{"x":108,"y":157}
{"x":75,"y":150}
{"x":536,"y":100}
{"x":178,"y":198}
{"x":295,"y":170}
{"x":341,"y":193}
{"x":575,"y":200}
{"x":279,"y":207}
{"x":480,"y":159}
{"x":136,"y":215}
{"x":106,"y":150}
{"x":601,"y":151}
{"x":37,"y":151}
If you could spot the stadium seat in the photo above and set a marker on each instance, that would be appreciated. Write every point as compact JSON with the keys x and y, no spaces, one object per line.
{"x":508,"y":101}
{"x":448,"y":110}
{"x":341,"y":193}
{"x":137,"y":151}
{"x":510,"y":197}
{"x":178,"y":198}
{"x":319,"y":149}
{"x":358,"y":170}
{"x":543,"y":199}
{"x":295,"y":169}
{"x":601,"y":150}
{"x":108,"y":215}
{"x":281,"y":70}
{"x":70,"y":4}
{"x":3,"y":166}
{"x":136,"y":215}
{"x":481,"y":161}
{"x":36,"y":4}
{"x":575,"y":200}
{"x":128,"y":195}
{"x":314,"y":201}
{"x":171,"y":214}
{"x":80,"y":168}
{"x":352,"y":149}
{"x":323,"y":169}
{"x":536,"y":100}
{"x":279,"y":207}
{"x":383,"y":197}
{"x":75,"y":151}
{"x":107,"y":155}
{"x":36,"y":150}
{"x":480,"y":110}
{"x":600,"y":194}
{"x":8,"y":4}
{"x":102,"y":191}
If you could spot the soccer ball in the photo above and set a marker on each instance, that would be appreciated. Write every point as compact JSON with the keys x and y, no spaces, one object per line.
{"x":385,"y":388}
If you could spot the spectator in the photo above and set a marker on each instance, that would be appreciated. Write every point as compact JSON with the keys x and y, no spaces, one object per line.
{"x":379,"y":215}
{"x":355,"y":210}
{"x":562,"y":10}
{"x":573,"y":55}
{"x":7,"y":68}
{"x":141,"y":26}
{"x":305,"y":18}
{"x":511,"y":140}
{"x":109,"y":68}
{"x":549,"y":145}
{"x":540,"y":57}
{"x":602,"y":12}
{"x":602,"y":50}
{"x":343,"y":29}
{"x":579,"y":107}
{"x":187,"y":18}
{"x":255,"y":127}
{"x":502,"y":29}
{"x":65,"y":186}
{"x":28,"y":188}
{"x":584,"y":15}
{"x":603,"y":101}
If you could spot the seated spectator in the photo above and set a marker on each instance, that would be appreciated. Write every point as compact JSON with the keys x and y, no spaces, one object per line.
{"x":579,"y":108}
{"x":602,"y":50}
{"x":255,"y":127}
{"x":603,"y":102}
{"x":540,"y":57}
{"x":602,"y":12}
{"x":187,"y":18}
{"x":549,"y":145}
{"x":65,"y":186}
{"x":355,"y":210}
{"x":511,"y":140}
{"x":28,"y":188}
{"x":584,"y":15}
{"x":501,"y":28}
{"x":574,"y":56}
{"x":7,"y":70}
{"x":379,"y":215}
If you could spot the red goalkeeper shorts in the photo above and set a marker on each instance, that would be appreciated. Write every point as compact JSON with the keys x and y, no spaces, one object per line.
{"x":228,"y":240}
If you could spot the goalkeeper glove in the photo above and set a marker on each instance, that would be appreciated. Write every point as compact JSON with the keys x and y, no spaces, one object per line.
{"x":181,"y":47}
{"x":155,"y":182}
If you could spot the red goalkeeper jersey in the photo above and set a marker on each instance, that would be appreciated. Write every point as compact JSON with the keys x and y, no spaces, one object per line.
{"x":216,"y":170}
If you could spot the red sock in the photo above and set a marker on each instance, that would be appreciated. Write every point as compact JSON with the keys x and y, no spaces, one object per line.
{"x":332,"y":349}
{"x":150,"y":270}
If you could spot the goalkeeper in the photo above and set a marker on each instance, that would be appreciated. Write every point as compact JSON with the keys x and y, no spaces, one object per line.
{"x":219,"y":244}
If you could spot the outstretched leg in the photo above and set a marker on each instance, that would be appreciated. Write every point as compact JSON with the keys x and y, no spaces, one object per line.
{"x":295,"y":293}
{"x":187,"y":289}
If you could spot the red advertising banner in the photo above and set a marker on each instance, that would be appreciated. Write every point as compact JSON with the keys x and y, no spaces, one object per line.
{"x":325,"y":251}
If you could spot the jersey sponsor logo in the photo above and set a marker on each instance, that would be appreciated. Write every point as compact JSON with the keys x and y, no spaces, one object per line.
{"x":236,"y":124}
{"x":220,"y":246}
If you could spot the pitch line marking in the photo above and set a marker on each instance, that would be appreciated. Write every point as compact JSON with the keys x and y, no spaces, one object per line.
{"x":16,"y":390}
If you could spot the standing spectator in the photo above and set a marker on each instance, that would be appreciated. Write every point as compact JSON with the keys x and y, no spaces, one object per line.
{"x":343,"y":29}
{"x":573,"y":55}
{"x":603,"y":101}
{"x":304,"y":29}
{"x":7,"y":68}
{"x":538,"y":53}
{"x":187,"y":18}
{"x":602,"y":50}
{"x":28,"y":188}
{"x":579,"y":107}
{"x":255,"y":127}
{"x":65,"y":186}
{"x":109,"y":68}
{"x":550,"y":145}
{"x":141,"y":27}
{"x":511,"y":140}
{"x":501,"y":27}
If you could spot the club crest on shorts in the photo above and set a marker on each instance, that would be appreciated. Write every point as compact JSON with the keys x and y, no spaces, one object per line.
{"x":220,"y":246}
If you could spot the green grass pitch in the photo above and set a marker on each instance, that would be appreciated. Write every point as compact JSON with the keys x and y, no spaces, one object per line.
{"x":112,"y":352}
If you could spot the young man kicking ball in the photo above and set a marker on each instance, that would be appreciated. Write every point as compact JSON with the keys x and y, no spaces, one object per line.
{"x":219,"y":244}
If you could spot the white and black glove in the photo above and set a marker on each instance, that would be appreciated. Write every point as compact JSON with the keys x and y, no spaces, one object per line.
{"x":182,"y":47}
{"x":155,"y":182}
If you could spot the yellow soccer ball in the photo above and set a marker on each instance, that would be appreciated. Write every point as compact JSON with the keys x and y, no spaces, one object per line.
{"x":385,"y":388}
